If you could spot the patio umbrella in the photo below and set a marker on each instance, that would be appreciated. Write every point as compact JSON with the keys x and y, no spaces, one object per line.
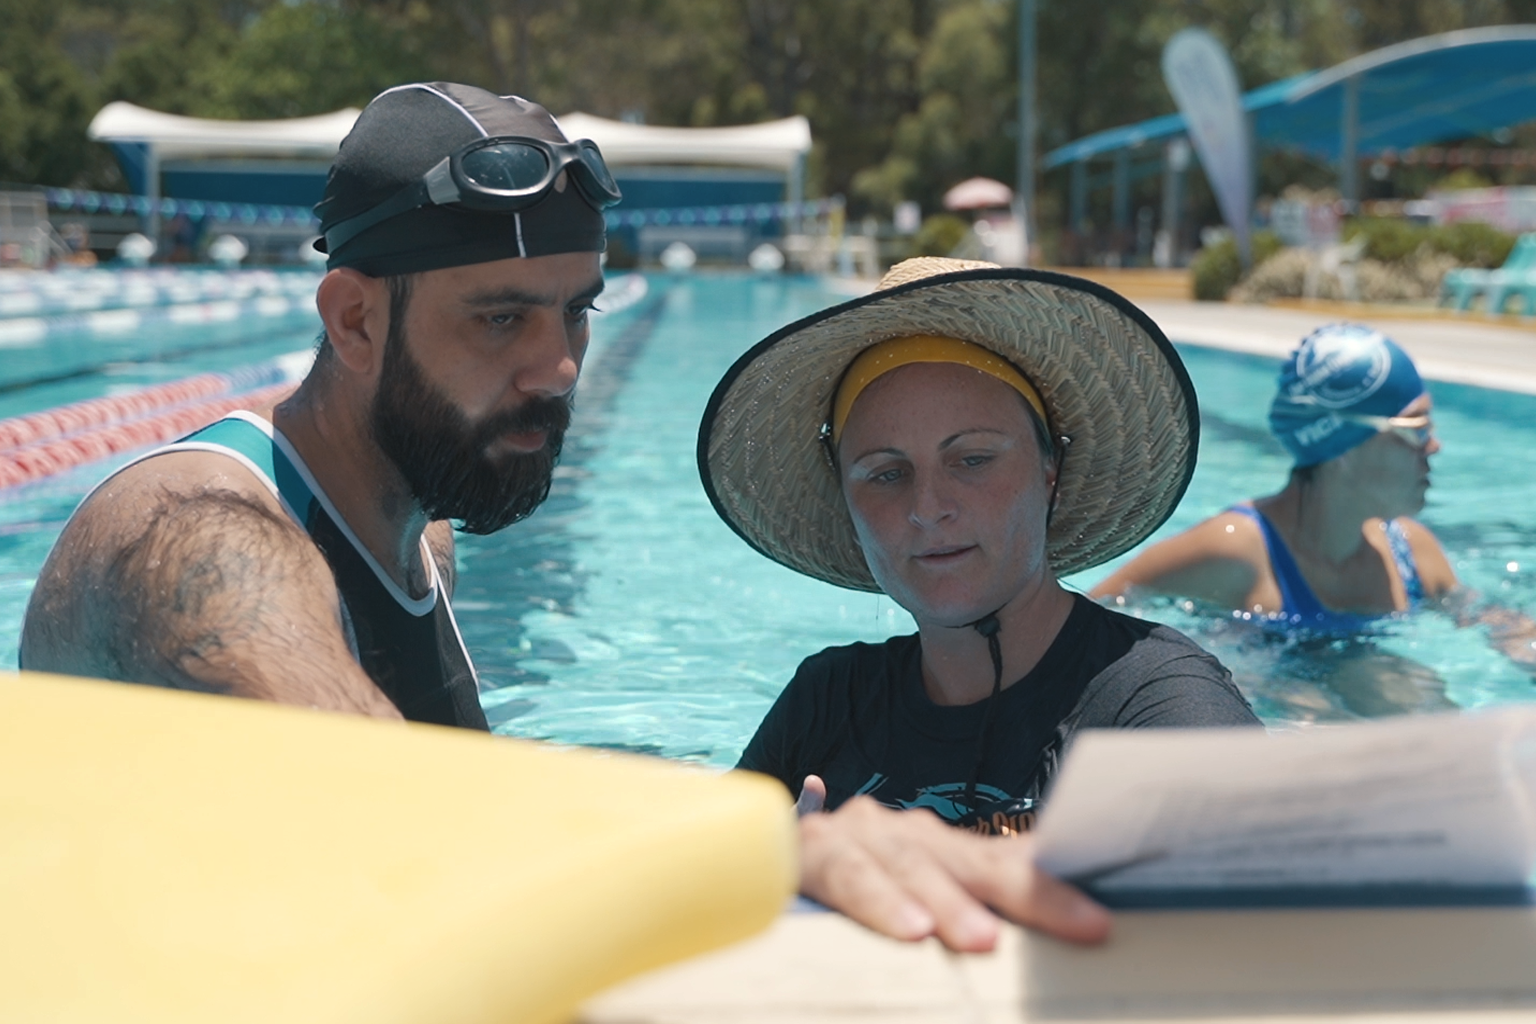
{"x":978,"y":194}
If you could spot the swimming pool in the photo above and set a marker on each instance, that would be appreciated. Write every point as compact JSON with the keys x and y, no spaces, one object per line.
{"x":625,"y":615}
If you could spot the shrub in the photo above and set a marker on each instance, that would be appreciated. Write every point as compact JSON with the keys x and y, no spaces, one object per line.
{"x":1285,"y":276}
{"x":1387,"y":239}
{"x":1390,"y":240}
{"x":1282,"y":276}
{"x":940,"y":235}
{"x":1472,"y":243}
{"x":1402,"y":262}
{"x":1217,"y":268}
{"x":1460,"y":179}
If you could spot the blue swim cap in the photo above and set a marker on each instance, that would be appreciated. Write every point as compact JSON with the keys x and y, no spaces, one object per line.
{"x":1340,"y":368}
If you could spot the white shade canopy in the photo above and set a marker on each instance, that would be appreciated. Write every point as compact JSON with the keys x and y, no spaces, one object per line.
{"x":772,"y":144}
{"x":778,"y":145}
{"x":148,"y":141}
{"x":175,"y":137}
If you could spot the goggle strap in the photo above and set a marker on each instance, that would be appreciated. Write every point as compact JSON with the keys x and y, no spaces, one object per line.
{"x":441,"y":189}
{"x":403,"y":201}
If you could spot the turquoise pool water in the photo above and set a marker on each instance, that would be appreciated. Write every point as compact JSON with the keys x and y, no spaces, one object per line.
{"x":625,"y":615}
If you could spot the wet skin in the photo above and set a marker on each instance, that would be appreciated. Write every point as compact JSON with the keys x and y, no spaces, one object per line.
{"x":1332,"y":526}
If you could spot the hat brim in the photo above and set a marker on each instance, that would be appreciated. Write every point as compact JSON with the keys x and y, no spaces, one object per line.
{"x":1110,"y":380}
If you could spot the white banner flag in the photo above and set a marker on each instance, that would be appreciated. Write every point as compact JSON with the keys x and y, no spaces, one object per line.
{"x":1204,"y":85}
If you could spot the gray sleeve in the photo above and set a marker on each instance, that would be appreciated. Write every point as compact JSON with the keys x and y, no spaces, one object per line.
{"x":1164,"y":681}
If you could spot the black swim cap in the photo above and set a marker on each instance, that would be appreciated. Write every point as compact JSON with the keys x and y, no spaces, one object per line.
{"x":406,"y":131}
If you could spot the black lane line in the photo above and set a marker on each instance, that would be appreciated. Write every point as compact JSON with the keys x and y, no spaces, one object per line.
{"x":594,"y":395}
{"x":536,"y":567}
{"x":598,"y":387}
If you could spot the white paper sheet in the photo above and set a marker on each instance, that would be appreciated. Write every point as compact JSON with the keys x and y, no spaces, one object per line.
{"x":1433,"y":802}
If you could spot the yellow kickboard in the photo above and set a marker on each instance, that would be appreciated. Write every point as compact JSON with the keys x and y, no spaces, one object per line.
{"x":174,"y":857}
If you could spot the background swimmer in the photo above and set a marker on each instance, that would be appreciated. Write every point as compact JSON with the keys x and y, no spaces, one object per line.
{"x":1335,"y":549}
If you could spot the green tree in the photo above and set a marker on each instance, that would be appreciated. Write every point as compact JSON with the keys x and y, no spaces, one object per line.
{"x":45,"y":101}
{"x":294,"y":60}
{"x":961,"y":125}
{"x":161,"y":49}
{"x":905,"y":97}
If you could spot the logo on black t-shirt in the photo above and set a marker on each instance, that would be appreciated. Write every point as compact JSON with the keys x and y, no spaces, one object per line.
{"x":995,"y":812}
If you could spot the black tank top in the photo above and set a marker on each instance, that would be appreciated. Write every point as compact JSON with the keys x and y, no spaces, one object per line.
{"x":410,"y":647}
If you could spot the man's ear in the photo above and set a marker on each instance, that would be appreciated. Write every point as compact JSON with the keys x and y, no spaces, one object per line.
{"x":355,"y":310}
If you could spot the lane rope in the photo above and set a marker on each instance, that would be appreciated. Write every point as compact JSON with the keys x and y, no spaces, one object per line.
{"x":32,"y":462}
{"x":97,"y":412}
{"x":43,"y":444}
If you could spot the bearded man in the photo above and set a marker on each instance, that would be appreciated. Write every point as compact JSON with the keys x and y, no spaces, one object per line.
{"x":302,"y":553}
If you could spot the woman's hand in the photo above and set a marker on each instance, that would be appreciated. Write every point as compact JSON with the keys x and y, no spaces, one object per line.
{"x":908,"y":875}
{"x":813,"y":796}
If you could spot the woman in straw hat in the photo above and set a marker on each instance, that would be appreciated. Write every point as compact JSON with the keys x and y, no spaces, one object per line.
{"x":959,"y":439}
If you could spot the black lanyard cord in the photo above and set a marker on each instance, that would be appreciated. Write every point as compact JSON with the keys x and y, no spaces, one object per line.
{"x":987,"y":626}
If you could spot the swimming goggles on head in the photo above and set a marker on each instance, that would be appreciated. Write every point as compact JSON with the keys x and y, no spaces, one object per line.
{"x":1414,"y":431}
{"x":502,"y":173}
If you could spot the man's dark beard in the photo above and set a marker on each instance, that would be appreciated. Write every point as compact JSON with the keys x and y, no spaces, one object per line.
{"x":442,"y":455}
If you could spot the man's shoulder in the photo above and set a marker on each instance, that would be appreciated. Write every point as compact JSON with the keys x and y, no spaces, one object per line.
{"x":143,"y":490}
{"x":151,"y":528}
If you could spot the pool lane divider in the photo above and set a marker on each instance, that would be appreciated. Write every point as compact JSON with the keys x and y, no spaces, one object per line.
{"x":273,"y":332}
{"x":45,"y":444}
{"x":34,"y":462}
{"x":28,"y":332}
{"x":47,"y":293}
{"x":608,"y":373}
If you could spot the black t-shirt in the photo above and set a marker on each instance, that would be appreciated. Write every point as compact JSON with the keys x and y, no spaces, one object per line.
{"x":858,"y":716}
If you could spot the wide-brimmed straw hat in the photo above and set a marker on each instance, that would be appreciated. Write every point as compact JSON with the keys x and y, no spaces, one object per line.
{"x":1111,"y":382}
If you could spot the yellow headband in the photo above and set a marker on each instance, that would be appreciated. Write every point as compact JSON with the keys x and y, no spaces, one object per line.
{"x":878,"y":360}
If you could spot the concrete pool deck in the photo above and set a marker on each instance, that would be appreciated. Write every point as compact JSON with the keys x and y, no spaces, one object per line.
{"x":1446,"y":348}
{"x":1490,"y":352}
{"x":823,"y":969}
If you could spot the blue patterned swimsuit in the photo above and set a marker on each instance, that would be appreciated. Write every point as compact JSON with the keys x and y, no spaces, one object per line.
{"x":1300,"y":609}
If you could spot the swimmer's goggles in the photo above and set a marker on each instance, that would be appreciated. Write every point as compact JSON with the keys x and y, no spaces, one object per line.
{"x":502,"y":174}
{"x":1414,"y":431}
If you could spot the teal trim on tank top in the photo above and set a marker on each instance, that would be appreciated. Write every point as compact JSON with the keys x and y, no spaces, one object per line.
{"x":251,"y":441}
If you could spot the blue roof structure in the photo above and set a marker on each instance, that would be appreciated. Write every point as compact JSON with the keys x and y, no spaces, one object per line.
{"x":1423,"y":91}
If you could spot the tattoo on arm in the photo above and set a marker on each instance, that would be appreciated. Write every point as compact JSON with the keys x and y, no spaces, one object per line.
{"x":217,"y":593}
